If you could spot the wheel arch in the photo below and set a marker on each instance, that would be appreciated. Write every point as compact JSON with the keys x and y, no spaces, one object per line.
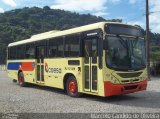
{"x":19,"y":71}
{"x":66,"y":76}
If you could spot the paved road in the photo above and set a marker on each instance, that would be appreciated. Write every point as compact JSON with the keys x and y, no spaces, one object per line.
{"x":36,"y":99}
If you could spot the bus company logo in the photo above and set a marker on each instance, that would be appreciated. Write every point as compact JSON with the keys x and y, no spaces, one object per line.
{"x":52,"y":70}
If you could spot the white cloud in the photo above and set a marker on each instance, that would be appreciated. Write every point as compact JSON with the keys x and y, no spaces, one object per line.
{"x":95,"y":7}
{"x":101,"y":13}
{"x":79,"y":5}
{"x":11,"y":3}
{"x":115,"y":1}
{"x":133,"y":1}
{"x":154,"y":17}
{"x":1,"y":10}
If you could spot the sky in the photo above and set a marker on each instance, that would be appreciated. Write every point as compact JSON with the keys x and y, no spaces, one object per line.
{"x":130,"y":11}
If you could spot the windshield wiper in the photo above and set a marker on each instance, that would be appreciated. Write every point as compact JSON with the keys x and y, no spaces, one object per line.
{"x":123,"y":42}
{"x":134,"y":43}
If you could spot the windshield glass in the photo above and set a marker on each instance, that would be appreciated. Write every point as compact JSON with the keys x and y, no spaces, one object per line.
{"x":125,"y":53}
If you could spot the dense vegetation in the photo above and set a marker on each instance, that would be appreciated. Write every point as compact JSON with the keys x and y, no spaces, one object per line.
{"x":20,"y":24}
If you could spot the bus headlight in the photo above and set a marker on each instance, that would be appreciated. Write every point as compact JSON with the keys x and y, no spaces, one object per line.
{"x":114,"y":80}
{"x":143,"y":78}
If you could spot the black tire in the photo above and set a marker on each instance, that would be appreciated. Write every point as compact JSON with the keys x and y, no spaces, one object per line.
{"x":14,"y":81}
{"x":21,"y":79}
{"x":72,"y":87}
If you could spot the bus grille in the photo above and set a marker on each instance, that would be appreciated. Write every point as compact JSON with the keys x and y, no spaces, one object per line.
{"x":129,"y":75}
{"x":129,"y":81}
{"x":130,"y":87}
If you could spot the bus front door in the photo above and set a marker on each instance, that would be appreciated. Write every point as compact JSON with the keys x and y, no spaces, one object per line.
{"x":40,"y":53}
{"x":90,"y":65}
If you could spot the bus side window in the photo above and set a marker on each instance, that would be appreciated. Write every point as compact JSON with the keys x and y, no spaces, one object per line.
{"x":56,"y":47}
{"x":30,"y":51}
{"x":13,"y":52}
{"x":9,"y":53}
{"x":52,"y":51}
{"x":42,"y":53}
{"x":72,"y":46}
{"x":20,"y":52}
{"x":60,"y":47}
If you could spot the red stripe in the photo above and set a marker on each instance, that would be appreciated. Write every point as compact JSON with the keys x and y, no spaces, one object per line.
{"x":27,"y":66}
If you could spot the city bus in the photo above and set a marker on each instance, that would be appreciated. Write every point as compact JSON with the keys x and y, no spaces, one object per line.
{"x":103,"y":59}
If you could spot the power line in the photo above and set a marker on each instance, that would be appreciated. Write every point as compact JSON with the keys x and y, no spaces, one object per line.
{"x":151,"y":13}
{"x":142,"y":15}
{"x":154,"y":12}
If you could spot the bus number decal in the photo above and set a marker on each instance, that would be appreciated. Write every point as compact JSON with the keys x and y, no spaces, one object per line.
{"x":69,"y":68}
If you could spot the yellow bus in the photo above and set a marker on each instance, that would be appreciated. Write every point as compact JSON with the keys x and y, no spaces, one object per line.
{"x":102,"y":59}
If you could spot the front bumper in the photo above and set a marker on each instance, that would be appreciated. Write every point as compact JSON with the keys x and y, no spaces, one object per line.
{"x":111,"y":89}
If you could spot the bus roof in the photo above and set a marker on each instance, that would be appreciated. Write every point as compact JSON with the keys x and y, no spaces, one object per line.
{"x":55,"y":33}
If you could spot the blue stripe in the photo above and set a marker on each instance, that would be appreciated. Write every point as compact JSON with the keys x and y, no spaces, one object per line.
{"x":14,"y":65}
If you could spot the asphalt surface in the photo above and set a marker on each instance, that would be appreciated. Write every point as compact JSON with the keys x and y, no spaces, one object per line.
{"x":38,"y":99}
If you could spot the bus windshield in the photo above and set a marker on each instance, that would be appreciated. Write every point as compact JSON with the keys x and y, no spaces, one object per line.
{"x":125,"y":53}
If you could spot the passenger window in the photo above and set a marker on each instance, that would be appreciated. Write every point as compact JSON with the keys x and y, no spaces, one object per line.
{"x":56,"y":47}
{"x":12,"y":52}
{"x":20,"y":52}
{"x":30,"y":51}
{"x":72,"y":46}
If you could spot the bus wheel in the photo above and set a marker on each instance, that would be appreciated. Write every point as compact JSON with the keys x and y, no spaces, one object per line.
{"x":72,"y":87}
{"x":21,"y":79}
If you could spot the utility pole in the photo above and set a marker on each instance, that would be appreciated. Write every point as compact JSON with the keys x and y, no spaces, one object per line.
{"x":147,"y":39}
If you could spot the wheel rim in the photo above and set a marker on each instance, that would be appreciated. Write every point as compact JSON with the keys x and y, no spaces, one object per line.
{"x":20,"y":80}
{"x":72,"y":87}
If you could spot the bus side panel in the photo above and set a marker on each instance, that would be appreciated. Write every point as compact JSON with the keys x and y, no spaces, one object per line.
{"x":12,"y":74}
{"x":29,"y":71}
{"x":12,"y":69}
{"x":100,"y":83}
{"x":56,"y":69}
{"x":53,"y":74}
{"x":27,"y":67}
